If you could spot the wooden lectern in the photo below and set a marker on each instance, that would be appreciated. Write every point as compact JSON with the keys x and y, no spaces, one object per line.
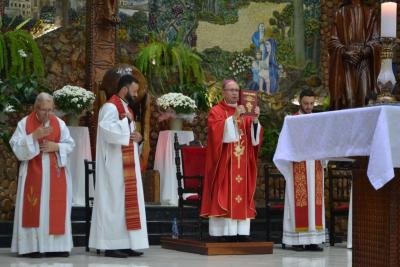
{"x":376,"y":220}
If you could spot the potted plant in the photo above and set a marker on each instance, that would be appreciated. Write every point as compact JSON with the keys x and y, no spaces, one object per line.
{"x":176,"y":107}
{"x":167,"y":64}
{"x":73,"y":101}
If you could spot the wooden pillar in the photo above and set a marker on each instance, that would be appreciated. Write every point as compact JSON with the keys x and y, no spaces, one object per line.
{"x":101,"y":21}
{"x":2,"y":7}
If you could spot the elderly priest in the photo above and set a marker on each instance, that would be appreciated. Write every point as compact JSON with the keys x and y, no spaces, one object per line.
{"x":42,"y":224}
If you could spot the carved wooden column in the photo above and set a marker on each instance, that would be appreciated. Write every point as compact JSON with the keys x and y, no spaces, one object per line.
{"x":101,"y":21}
{"x":2,"y":7}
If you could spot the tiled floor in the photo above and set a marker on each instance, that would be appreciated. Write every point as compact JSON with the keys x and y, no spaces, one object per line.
{"x":337,"y":256}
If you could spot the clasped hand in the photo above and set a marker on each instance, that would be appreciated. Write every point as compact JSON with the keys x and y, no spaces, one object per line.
{"x":41,"y":132}
{"x":48,"y":146}
{"x":353,"y":57}
{"x":136,"y":137}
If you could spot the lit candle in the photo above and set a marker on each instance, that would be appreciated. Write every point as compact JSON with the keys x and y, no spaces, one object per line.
{"x":388,"y":19}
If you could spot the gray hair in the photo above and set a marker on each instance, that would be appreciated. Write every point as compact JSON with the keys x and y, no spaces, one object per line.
{"x":43,"y":97}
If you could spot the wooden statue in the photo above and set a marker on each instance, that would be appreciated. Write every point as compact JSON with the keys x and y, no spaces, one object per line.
{"x":354,"y":51}
{"x":110,"y":14}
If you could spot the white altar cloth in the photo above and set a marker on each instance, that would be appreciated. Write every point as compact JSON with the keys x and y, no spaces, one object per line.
{"x":81,"y":151}
{"x":164,"y":162}
{"x":371,"y":131}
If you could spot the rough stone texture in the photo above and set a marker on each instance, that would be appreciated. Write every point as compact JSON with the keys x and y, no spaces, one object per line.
{"x":8,"y":173}
{"x":64,"y":56}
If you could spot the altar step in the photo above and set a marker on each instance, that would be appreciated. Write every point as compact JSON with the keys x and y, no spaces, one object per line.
{"x":215,"y":248}
{"x":159,"y":220}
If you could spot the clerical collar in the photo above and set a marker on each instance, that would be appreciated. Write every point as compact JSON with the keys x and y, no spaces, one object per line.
{"x":231,"y":105}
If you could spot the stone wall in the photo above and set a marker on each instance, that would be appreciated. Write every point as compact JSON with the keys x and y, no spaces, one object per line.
{"x":64,"y":56}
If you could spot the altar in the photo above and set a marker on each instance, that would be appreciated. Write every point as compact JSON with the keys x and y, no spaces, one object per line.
{"x":76,"y":164}
{"x":165,"y":163}
{"x":371,"y":135}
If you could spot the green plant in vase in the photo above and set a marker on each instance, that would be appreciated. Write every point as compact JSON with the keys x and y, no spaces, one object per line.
{"x":167,"y":64}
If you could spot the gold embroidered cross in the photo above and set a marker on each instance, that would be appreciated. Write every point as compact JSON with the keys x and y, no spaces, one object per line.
{"x":239,"y":178}
{"x":239,"y":151}
{"x":238,"y":199}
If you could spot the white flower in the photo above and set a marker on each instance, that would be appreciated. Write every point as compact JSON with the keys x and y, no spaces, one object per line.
{"x":177,"y":102}
{"x":73,"y":99}
{"x":9,"y":109}
{"x":22,"y":53}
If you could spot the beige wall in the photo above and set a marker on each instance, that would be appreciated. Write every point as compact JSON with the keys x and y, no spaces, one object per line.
{"x":236,"y":37}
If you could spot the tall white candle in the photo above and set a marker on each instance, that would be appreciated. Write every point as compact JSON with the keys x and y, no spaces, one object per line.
{"x":388,"y":19}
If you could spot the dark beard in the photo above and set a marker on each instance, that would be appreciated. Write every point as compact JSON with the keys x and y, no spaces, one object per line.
{"x":131,"y":100}
{"x":133,"y":105}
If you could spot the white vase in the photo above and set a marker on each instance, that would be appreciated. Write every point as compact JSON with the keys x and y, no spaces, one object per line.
{"x":175,"y":124}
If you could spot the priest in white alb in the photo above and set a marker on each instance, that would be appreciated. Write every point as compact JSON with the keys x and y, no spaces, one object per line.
{"x":119,"y":218}
{"x":304,"y":213}
{"x":42,"y":220}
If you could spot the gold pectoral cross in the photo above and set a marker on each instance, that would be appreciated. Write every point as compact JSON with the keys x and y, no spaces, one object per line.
{"x":239,"y":150}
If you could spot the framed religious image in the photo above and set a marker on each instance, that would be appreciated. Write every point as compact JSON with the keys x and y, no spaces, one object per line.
{"x":248,"y":98}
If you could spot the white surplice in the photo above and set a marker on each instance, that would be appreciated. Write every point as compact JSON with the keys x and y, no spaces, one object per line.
{"x":220,"y":226}
{"x":108,"y":228}
{"x":27,"y":240}
{"x":312,"y":236}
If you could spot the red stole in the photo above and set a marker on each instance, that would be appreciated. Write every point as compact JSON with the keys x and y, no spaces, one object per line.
{"x":231,"y":169}
{"x":132,"y":214}
{"x":301,"y":195}
{"x":33,"y":183}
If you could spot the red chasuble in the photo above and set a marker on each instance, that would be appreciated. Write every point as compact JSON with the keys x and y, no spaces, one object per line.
{"x":132,"y":214}
{"x":33,"y":183}
{"x":301,"y":195}
{"x":231,"y":168}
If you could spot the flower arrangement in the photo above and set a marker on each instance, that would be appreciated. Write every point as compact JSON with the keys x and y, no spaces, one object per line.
{"x":241,"y":64}
{"x":73,"y":99}
{"x":176,"y":105}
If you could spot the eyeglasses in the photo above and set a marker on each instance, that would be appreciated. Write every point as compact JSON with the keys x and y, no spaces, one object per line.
{"x":232,"y":90}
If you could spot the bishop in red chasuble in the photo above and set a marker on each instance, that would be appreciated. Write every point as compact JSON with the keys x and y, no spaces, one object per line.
{"x":304,"y":216}
{"x":231,"y":167}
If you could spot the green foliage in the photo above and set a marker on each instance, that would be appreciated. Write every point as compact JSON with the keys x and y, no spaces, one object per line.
{"x":19,"y":55}
{"x":229,"y":18}
{"x":21,"y":91}
{"x":272,"y":122}
{"x":282,"y":21}
{"x":163,"y":62}
{"x":216,"y":62}
{"x":136,"y":26}
{"x":310,"y":69}
{"x":285,"y":52}
{"x":17,"y":95}
{"x":197,"y":92}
